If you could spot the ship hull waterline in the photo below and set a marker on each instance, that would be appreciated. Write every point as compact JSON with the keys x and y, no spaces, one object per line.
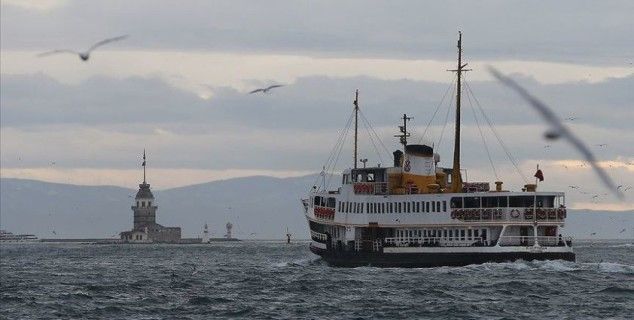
{"x":429,"y":260}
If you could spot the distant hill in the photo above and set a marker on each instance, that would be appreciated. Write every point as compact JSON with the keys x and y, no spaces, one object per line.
{"x":259,"y":207}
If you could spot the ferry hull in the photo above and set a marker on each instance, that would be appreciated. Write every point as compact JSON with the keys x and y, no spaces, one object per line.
{"x":427,"y":260}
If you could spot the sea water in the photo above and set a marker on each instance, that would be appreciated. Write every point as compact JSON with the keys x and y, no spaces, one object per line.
{"x":275,"y":280}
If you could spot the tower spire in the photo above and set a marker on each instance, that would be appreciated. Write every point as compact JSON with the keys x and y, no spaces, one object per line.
{"x":143,"y":164}
{"x":456,"y":178}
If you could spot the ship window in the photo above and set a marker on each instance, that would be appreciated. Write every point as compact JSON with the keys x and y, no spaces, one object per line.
{"x":407,"y":208}
{"x":382,"y":207}
{"x":489,"y":202}
{"x":456,"y":203}
{"x":521,"y":201}
{"x":316,"y":201}
{"x":437,"y":206}
{"x":472,"y":202}
{"x":389,"y":207}
{"x":143,"y":204}
{"x":444,"y":206}
{"x":427,"y":206}
{"x":137,"y":203}
{"x":503,"y":202}
{"x":462,"y":234}
{"x":370,"y":177}
{"x":475,"y":233}
{"x":398,"y":207}
{"x":331,"y":202}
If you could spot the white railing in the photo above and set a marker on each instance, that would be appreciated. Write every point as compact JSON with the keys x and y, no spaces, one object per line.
{"x":370,"y":188}
{"x":440,"y":241}
{"x":318,"y":236}
{"x":545,"y":241}
{"x":510,"y":214}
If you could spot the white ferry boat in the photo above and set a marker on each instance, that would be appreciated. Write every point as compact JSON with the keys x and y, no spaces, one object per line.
{"x":419,"y":214}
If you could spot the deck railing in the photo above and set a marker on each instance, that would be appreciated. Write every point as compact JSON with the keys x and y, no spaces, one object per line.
{"x":544,"y":241}
{"x":435,"y":241}
{"x":510,"y":214}
{"x":380,"y":188}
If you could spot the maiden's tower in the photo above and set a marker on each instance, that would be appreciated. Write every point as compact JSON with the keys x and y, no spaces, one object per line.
{"x":145,"y":228}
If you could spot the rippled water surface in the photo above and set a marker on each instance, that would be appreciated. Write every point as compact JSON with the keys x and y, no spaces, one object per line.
{"x":270,"y":280}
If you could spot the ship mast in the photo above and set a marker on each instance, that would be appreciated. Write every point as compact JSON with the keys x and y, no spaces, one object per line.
{"x":456,"y":179}
{"x":356,"y":125}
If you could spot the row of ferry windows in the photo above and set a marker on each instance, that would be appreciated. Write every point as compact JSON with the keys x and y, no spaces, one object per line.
{"x":393,"y":207}
{"x":455,"y":234}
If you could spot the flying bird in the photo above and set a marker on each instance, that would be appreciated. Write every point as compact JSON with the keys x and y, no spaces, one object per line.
{"x":622,"y":231}
{"x":86,"y":54}
{"x":601,"y":145}
{"x":558,"y":130}
{"x":267,"y":89}
{"x":571,"y":119}
{"x":573,"y":187}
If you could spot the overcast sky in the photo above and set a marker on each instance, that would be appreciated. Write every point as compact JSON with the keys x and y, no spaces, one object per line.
{"x":178,"y":87}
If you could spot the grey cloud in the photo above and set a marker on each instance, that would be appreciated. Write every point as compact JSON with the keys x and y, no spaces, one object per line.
{"x":311,"y":103}
{"x":291,"y":129}
{"x":565,"y":31}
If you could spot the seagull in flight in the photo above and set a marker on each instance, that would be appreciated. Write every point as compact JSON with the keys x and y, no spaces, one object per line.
{"x":571,"y":119}
{"x":86,"y":54}
{"x":267,"y":89}
{"x":558,"y":129}
{"x":573,"y":187}
{"x":601,"y":145}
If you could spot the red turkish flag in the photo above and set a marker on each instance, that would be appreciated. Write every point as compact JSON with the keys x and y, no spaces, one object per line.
{"x":539,"y":175}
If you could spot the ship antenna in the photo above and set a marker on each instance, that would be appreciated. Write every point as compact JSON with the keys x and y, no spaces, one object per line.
{"x":456,"y":179}
{"x":403,"y":129}
{"x":356,"y":125}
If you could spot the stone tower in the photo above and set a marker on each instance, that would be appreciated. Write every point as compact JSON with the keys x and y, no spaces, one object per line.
{"x":144,"y":208}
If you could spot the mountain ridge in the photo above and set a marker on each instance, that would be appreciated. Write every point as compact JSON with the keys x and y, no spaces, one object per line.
{"x":258,"y":207}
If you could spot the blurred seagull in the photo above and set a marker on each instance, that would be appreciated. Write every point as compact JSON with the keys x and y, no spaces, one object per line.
{"x":601,"y":145}
{"x":86,"y":54}
{"x":622,"y":231}
{"x":573,"y":187}
{"x":558,"y":130}
{"x":267,"y":89}
{"x":571,"y":119}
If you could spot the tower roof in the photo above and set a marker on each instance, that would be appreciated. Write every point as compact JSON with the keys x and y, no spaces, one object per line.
{"x":144,"y":192}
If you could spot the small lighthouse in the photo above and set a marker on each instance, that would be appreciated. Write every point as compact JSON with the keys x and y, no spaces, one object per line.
{"x":205,"y":234}
{"x":229,"y":226}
